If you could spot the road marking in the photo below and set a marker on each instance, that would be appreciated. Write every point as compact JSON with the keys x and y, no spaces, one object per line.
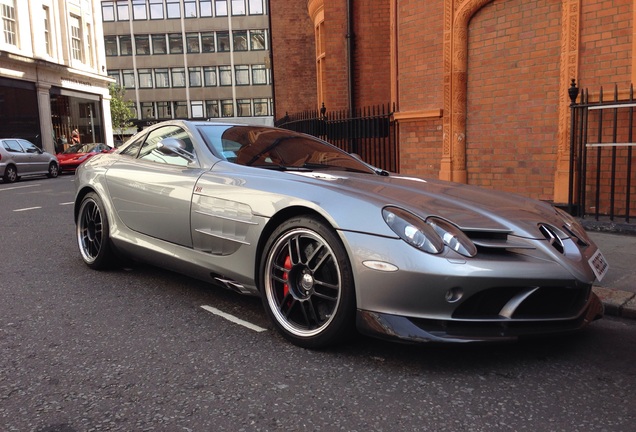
{"x":19,"y":187}
{"x":233,"y":319}
{"x":67,"y":203}
{"x":26,"y":209}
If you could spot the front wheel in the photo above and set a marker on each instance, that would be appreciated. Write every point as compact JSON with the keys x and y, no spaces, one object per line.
{"x":53,"y":170}
{"x":307,"y":283}
{"x":92,"y":233}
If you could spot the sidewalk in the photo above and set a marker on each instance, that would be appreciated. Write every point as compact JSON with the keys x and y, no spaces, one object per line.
{"x":617,"y":290}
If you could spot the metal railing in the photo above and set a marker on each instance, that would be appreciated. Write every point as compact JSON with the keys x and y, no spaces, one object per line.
{"x":601,"y":156}
{"x":368,"y":132}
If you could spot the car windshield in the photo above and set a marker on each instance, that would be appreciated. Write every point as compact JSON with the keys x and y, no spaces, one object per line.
{"x":277,"y":149}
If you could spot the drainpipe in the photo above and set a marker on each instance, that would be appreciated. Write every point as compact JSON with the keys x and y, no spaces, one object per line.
{"x":350,"y":49}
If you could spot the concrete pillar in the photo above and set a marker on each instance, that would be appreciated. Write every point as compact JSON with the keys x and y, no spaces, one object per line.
{"x":44,"y":110}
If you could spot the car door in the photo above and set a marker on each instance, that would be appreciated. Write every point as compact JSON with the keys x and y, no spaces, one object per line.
{"x":152,"y":191}
{"x":18,"y":155}
{"x":37,"y":160}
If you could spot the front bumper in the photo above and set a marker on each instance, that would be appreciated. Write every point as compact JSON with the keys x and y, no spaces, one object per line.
{"x":417,"y":330}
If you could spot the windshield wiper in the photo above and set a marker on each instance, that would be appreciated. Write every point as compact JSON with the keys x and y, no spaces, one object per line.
{"x":283,"y":168}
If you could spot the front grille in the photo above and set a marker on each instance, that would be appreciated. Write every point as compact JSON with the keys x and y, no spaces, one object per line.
{"x":542,"y":303}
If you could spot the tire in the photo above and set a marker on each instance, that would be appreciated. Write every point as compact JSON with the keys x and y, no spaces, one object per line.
{"x":54,"y":170}
{"x":307,"y":283}
{"x":10,"y":174}
{"x":92,"y":232}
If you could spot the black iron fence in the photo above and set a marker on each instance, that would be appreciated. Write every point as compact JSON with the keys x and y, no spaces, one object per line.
{"x":602,"y":182}
{"x":368,"y":132}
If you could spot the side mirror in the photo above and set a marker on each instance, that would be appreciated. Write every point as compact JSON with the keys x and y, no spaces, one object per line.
{"x":174,"y":146}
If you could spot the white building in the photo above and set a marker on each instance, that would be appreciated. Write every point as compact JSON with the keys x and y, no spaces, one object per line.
{"x":53,"y":76}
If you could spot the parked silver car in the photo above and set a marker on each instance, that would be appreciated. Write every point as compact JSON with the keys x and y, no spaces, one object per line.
{"x":331,"y":243}
{"x":19,"y":157}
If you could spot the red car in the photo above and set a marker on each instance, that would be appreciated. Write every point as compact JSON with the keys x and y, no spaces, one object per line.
{"x":73,"y":156}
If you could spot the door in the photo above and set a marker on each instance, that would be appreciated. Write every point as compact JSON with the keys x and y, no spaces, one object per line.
{"x":37,"y":160}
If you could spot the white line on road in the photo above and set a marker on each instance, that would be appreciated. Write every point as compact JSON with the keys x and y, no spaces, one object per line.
{"x":19,"y":187}
{"x":233,"y":319}
{"x":67,"y":203}
{"x":26,"y":209}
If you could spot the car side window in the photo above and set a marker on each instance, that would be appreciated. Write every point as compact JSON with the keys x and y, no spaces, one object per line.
{"x":28,"y":146}
{"x":149,"y":149}
{"x":12,"y":146}
{"x":132,"y":149}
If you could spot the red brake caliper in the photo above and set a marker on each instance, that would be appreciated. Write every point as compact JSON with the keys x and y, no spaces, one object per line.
{"x":288,"y":267}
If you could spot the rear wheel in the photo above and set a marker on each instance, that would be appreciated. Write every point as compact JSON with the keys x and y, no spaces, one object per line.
{"x":53,"y":170}
{"x":93,"y":233}
{"x":10,"y":174}
{"x":307,"y":283}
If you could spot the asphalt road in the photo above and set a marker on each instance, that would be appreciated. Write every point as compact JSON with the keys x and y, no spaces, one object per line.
{"x":133,"y":350}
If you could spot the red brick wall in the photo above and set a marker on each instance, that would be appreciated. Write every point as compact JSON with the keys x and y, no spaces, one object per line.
{"x":293,"y":57}
{"x":420,"y":74}
{"x":336,"y":93}
{"x":371,"y":52}
{"x":606,"y":44}
{"x":513,"y":82}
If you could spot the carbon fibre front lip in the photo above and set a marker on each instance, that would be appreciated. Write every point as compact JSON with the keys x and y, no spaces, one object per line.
{"x":408,"y":330}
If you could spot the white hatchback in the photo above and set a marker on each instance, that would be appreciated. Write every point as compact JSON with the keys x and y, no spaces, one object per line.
{"x":19,"y":157}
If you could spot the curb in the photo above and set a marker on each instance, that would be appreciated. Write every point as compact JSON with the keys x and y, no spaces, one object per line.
{"x":616,"y":302}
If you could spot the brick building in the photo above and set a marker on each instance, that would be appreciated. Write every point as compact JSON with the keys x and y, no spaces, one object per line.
{"x":479,"y":86}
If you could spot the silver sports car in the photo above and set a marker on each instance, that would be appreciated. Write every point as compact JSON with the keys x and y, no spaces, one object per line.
{"x":332,"y":244}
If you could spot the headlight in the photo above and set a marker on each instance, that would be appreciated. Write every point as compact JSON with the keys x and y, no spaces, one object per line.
{"x":413,"y":230}
{"x":428,"y":235}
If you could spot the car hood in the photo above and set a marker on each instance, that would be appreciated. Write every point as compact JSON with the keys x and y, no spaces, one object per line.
{"x":470,"y":208}
{"x":70,"y":156}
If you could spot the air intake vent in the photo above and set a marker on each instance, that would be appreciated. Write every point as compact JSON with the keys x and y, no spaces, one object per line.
{"x":551,"y":236}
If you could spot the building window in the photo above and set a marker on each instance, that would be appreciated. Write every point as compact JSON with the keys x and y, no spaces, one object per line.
{"x":180,"y":109}
{"x":9,"y":23}
{"x":209,"y":76}
{"x":156,"y":9}
{"x":238,"y":7}
{"x":76,"y":38}
{"x":192,"y":42}
{"x":259,"y":75}
{"x":114,"y":74}
{"x":108,"y":11}
{"x":47,"y":29}
{"x":164,"y":110}
{"x":125,"y":45}
{"x":205,"y":8}
{"x":189,"y":8}
{"x":139,"y":10}
{"x":212,"y":108}
{"x":225,"y":75}
{"x":178,"y":77}
{"x":122,"y":11}
{"x":242,"y":75}
{"x":220,"y":6}
{"x":159,"y":44}
{"x":89,"y":45}
{"x":145,"y":78}
{"x":162,"y":78}
{"x":110,"y":44}
{"x":133,"y":108}
{"x":256,"y":7}
{"x":147,"y":110}
{"x":223,"y":41}
{"x":240,"y":40}
{"x":175,"y":42}
{"x":173,"y":9}
{"x":194,"y":74}
{"x":244,"y":107}
{"x":227,"y":108}
{"x":129,"y":78}
{"x":207,"y":42}
{"x":142,"y":45}
{"x":261,"y":107}
{"x":257,"y":40}
{"x":197,"y":109}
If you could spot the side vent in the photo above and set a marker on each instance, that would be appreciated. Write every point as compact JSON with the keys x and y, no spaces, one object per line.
{"x":552,"y":237}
